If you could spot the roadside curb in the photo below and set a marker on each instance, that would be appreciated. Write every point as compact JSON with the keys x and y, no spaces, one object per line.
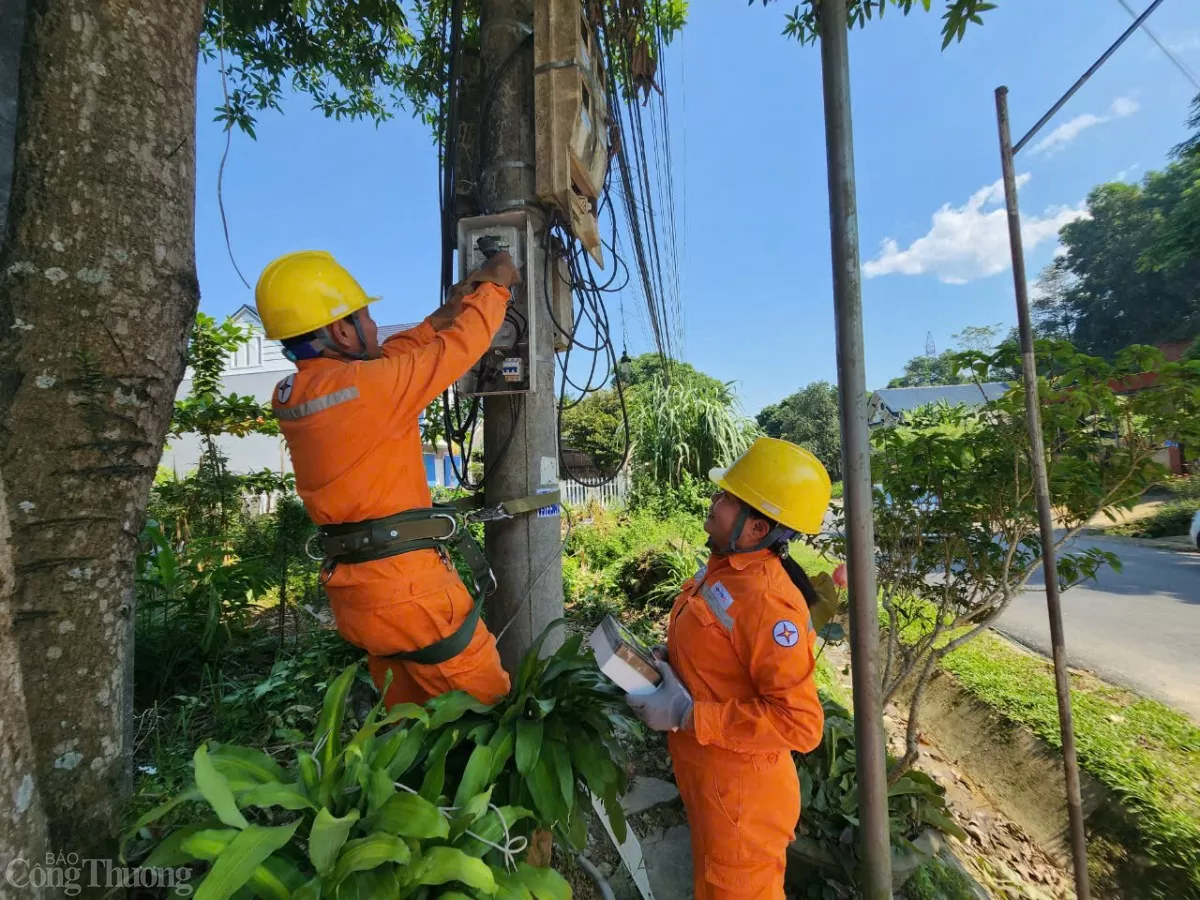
{"x":1179,"y":544}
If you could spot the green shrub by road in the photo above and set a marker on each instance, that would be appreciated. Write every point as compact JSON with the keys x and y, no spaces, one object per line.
{"x":1146,"y":754}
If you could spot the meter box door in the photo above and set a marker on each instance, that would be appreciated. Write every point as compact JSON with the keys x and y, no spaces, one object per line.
{"x":508,"y":365}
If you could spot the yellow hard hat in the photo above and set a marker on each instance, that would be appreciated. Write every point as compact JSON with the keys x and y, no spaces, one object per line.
{"x":303,"y":291}
{"x":782,"y":481}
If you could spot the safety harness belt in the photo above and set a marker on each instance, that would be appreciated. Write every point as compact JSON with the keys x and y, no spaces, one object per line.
{"x":438,"y":527}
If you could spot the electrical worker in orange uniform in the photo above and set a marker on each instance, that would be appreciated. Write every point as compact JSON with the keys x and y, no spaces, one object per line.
{"x":350,"y":417}
{"x":737,"y":694}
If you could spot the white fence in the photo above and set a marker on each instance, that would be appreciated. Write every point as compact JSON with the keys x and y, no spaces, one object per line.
{"x":614,"y":493}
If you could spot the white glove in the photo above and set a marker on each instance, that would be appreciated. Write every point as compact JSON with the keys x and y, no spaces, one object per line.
{"x":669,"y":707}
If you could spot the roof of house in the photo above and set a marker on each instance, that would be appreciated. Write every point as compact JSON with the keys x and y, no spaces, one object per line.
{"x":901,"y":400}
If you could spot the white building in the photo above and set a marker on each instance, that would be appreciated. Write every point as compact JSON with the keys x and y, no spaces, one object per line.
{"x":254,"y":370}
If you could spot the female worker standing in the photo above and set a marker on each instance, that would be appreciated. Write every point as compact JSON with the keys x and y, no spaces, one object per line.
{"x":737,"y":692}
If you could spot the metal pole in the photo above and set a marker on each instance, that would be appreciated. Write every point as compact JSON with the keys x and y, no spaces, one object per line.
{"x":525,"y":552}
{"x":856,"y":452}
{"x":1084,"y":77}
{"x":1033,"y":417}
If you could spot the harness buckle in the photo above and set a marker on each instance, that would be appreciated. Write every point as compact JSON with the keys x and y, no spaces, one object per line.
{"x":492,"y":514}
{"x":453,"y":520}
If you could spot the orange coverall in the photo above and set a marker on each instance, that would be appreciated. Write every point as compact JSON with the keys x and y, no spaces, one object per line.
{"x":352,"y":429}
{"x":740,"y":641}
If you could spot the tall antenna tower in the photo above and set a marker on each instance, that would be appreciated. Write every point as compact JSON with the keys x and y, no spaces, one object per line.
{"x":930,"y":346}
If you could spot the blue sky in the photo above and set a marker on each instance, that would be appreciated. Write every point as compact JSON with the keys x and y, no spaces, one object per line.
{"x":750,"y":188}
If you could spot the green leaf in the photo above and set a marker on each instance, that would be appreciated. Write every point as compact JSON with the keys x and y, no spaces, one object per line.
{"x":215,"y":788}
{"x":475,"y":775}
{"x":529,"y":744}
{"x":930,"y":816}
{"x":509,"y":887}
{"x":275,"y":879}
{"x":529,"y":663}
{"x":333,"y":714}
{"x":233,"y":761}
{"x":492,"y":829}
{"x":543,"y":787}
{"x":170,"y":853}
{"x":368,"y":853}
{"x":326,"y":838}
{"x":545,"y":884}
{"x":616,"y":812}
{"x":239,"y":860}
{"x":440,"y":865}
{"x":158,"y":812}
{"x":208,"y":843}
{"x":407,"y":751}
{"x":380,"y":789}
{"x":435,"y":765}
{"x":451,"y":707}
{"x":473,"y":809}
{"x":288,"y":796}
{"x":410,"y":816}
{"x":560,"y":759}
{"x":503,"y":744}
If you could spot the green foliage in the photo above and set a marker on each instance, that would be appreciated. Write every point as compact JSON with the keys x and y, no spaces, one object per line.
{"x":938,"y":881}
{"x":956,"y":521}
{"x":1106,"y":292}
{"x":355,"y":60}
{"x":803,"y":23}
{"x":809,"y":418}
{"x":594,"y":425}
{"x":341,"y":817}
{"x":1146,"y":753}
{"x":924,"y":371}
{"x":829,"y":797}
{"x":1169,"y":520}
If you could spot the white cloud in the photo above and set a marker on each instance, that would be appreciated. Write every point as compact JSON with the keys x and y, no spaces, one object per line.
{"x":969,"y":242}
{"x":1065,"y":133}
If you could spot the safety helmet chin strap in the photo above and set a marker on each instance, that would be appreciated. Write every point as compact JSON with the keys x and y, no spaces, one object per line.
{"x":322,"y":342}
{"x":774,"y":536}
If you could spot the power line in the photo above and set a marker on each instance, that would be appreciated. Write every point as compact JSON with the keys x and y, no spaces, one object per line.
{"x":1179,"y":64}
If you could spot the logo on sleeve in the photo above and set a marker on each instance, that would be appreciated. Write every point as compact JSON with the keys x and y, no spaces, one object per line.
{"x":284,"y":392}
{"x":786,"y":634}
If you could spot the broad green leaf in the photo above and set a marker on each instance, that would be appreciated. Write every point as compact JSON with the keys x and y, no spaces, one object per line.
{"x":470,"y":811}
{"x":440,"y":865}
{"x":333,"y":713}
{"x":170,"y":853}
{"x":379,"y":883}
{"x":560,"y":759}
{"x":930,"y":816}
{"x":543,"y":787}
{"x":492,"y":828}
{"x":407,"y":750}
{"x":529,"y":744}
{"x":475,"y":775}
{"x":597,"y":770}
{"x":310,"y":890}
{"x":616,"y":812}
{"x":367,"y":853}
{"x":268,"y":883}
{"x":503,"y":744}
{"x":215,"y":788}
{"x":509,"y":887}
{"x":451,"y":707}
{"x":380,"y":789}
{"x":435,"y":765}
{"x":231,"y":761}
{"x":410,"y":816}
{"x":158,"y":812}
{"x":326,"y":838}
{"x":529,"y":663}
{"x":397,"y":713}
{"x":545,"y":884}
{"x":288,"y":796}
{"x":239,"y":860}
{"x":208,"y":843}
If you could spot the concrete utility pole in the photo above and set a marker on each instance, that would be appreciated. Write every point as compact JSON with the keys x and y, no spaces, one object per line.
{"x":525,"y":552}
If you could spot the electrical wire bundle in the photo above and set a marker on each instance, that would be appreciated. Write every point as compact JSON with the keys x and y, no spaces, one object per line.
{"x":588,"y":337}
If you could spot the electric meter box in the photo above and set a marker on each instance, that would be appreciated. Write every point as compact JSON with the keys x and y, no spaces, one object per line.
{"x":508,"y":366}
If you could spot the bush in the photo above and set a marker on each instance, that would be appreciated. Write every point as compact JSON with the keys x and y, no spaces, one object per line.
{"x":1169,"y":520}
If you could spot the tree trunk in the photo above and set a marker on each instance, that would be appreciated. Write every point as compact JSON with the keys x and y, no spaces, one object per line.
{"x":22,"y":827}
{"x":97,"y":290}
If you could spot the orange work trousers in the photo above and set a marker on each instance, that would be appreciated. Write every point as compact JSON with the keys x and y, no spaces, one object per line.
{"x":742,"y":812}
{"x":407,"y":602}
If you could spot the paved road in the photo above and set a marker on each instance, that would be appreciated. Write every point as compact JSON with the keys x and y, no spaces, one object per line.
{"x":1140,"y":628}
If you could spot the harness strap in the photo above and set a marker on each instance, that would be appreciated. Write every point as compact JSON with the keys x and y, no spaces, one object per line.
{"x":423,"y":529}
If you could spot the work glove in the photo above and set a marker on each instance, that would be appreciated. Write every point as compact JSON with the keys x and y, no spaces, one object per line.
{"x":822,"y":613}
{"x":668,"y":708}
{"x":660,"y":652}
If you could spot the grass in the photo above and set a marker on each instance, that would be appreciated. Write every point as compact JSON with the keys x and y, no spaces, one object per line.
{"x":938,"y":881}
{"x":1147,"y":754}
{"x":1169,"y":520}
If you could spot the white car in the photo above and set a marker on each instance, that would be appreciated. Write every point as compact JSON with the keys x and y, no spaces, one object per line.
{"x":1196,"y":530}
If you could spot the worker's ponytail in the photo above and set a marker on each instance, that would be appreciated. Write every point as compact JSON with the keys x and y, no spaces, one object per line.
{"x":797,"y":574}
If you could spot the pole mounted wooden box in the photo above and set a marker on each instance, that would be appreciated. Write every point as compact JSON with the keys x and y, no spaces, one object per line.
{"x":570,"y":116}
